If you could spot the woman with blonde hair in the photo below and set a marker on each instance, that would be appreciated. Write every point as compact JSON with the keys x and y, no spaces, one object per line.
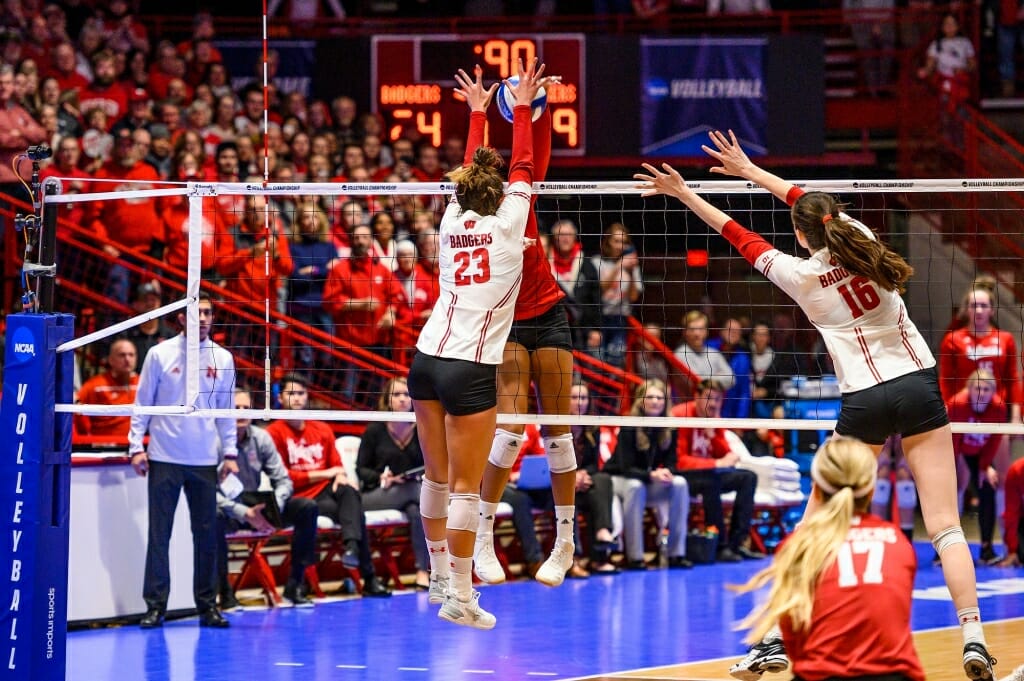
{"x":841,"y":584}
{"x":643,"y":470}
{"x":389,"y":464}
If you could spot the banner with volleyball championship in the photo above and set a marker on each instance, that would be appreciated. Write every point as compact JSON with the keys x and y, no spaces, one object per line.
{"x":693,"y":85}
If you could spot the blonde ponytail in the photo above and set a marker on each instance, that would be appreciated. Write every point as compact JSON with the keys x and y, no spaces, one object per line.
{"x":844,"y":471}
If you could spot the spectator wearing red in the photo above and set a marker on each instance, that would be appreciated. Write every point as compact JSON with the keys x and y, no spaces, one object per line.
{"x":174,"y":211}
{"x":133,"y":225}
{"x":422,"y":288}
{"x":104,"y":92}
{"x":37,"y":43}
{"x":140,"y":112}
{"x":708,"y":461}
{"x":227,"y":209}
{"x":976,"y":452}
{"x":428,"y":164}
{"x":115,"y":386}
{"x":222,"y":127}
{"x":249,"y":122}
{"x":167,"y":65}
{"x":980,"y":345}
{"x":56,"y":23}
{"x":203,"y":30}
{"x":240,"y":254}
{"x":64,"y":68}
{"x":122,"y":31}
{"x":308,"y":451}
{"x":363,"y":296}
{"x":75,"y":180}
{"x":18,"y":130}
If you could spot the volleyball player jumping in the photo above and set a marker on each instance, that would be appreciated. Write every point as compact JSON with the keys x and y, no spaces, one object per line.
{"x":849,"y":288}
{"x":453,"y":380}
{"x":539,"y":349}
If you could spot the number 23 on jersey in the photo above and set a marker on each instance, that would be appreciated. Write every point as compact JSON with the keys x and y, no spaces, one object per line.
{"x":474,"y":267}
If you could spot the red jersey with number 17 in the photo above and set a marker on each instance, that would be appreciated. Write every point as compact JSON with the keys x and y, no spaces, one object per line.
{"x":867,"y":330}
{"x":860,"y":624}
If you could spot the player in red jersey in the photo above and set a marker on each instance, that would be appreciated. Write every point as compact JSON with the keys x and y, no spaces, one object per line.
{"x":976,"y":452}
{"x":842,"y":582}
{"x":849,"y":288}
{"x":539,"y":350}
{"x":980,"y":345}
{"x":1013,"y":518}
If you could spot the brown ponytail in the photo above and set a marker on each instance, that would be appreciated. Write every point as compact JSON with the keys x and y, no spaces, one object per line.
{"x":478,"y":186}
{"x":819,"y":216}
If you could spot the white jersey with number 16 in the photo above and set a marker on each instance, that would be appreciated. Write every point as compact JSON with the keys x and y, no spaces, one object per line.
{"x":481,"y":268}
{"x":866,"y":329}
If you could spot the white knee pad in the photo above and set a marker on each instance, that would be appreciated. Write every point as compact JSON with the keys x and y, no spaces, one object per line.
{"x":463,"y":512}
{"x":433,"y":499}
{"x":946,"y":538}
{"x":561,"y":453}
{"x":906,"y":494}
{"x":505,"y":448}
{"x":883,"y":492}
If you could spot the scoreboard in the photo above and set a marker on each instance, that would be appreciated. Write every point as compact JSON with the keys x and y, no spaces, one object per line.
{"x":413,"y":84}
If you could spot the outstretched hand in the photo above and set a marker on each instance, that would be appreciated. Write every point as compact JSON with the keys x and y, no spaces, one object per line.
{"x":667,"y":181}
{"x":729,"y":153}
{"x":531,"y":80}
{"x":477,"y":96}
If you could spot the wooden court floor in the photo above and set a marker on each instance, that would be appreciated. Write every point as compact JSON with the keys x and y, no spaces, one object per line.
{"x":939,"y":650}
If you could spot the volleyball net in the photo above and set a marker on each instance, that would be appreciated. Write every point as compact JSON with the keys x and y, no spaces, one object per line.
{"x":348,"y":322}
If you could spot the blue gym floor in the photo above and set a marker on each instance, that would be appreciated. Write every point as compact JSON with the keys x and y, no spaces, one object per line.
{"x":583,"y":629}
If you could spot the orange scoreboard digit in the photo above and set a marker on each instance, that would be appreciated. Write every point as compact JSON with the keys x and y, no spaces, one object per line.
{"x":412,"y":78}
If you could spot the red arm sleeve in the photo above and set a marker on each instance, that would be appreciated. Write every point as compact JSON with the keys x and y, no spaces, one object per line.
{"x":521,"y":169}
{"x":541,"y":145}
{"x":477,"y":123}
{"x":1014,"y":498}
{"x":793,"y":194}
{"x":751,"y":246}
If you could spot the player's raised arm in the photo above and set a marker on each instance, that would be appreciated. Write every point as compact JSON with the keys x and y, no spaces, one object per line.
{"x":669,"y":182}
{"x":734,"y":161}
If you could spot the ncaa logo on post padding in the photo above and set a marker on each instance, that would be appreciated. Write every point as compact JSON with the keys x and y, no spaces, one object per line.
{"x":24,"y":346}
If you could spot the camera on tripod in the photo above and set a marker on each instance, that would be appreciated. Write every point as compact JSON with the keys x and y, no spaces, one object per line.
{"x":39,"y":152}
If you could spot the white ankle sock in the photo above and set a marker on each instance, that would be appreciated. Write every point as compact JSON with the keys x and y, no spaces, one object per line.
{"x":565,"y":516}
{"x":488,"y":510}
{"x":462,"y":578}
{"x":439,"y":558}
{"x":970,"y":625}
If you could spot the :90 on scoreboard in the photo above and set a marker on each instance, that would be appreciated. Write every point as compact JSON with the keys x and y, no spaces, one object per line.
{"x":413,"y":81}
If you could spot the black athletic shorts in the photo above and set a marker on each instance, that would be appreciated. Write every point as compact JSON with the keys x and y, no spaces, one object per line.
{"x":907,"y":405}
{"x":547,"y":330}
{"x":462,"y":387}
